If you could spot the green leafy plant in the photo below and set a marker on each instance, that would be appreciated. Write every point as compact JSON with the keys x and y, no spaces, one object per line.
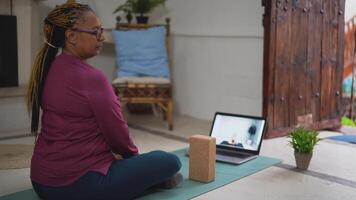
{"x":347,"y":122}
{"x":126,"y":7}
{"x":303,"y":140}
{"x":139,"y":6}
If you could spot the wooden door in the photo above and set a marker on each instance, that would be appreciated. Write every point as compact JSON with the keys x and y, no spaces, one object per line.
{"x":303,"y":62}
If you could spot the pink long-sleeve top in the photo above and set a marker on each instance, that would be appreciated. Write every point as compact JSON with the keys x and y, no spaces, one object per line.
{"x":82,"y":124}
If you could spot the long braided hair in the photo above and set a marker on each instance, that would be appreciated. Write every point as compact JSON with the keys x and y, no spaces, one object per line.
{"x":59,"y":20}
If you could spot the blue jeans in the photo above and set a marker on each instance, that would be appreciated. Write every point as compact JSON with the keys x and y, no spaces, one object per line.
{"x":126,"y":179}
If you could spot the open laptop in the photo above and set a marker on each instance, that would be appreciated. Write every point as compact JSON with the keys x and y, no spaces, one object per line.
{"x":238,"y":137}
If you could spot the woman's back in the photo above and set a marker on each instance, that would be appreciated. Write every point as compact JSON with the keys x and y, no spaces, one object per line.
{"x":70,"y":142}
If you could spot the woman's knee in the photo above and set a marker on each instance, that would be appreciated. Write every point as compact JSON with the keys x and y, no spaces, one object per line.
{"x":169,"y":159}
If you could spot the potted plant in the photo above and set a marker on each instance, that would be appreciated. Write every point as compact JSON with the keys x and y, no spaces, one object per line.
{"x":126,"y":8}
{"x":139,"y":7}
{"x":303,"y":141}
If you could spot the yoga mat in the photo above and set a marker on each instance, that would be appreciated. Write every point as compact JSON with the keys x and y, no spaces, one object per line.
{"x":344,"y":138}
{"x":225,"y":173}
{"x":22,"y":195}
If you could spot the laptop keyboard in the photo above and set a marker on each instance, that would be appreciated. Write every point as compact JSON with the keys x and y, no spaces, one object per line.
{"x":226,"y":153}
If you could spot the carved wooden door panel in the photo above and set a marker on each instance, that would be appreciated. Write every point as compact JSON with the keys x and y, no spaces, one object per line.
{"x":303,"y":62}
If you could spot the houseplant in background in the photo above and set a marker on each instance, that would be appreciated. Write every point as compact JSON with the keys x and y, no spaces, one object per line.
{"x":126,"y":8}
{"x":303,"y":141}
{"x":140,"y":8}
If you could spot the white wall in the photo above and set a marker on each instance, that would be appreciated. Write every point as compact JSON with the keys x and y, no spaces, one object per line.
{"x":350,"y":9}
{"x":217,"y":74}
{"x":217,"y":47}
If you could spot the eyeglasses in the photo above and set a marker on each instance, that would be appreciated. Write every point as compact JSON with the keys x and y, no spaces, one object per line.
{"x":96,"y":32}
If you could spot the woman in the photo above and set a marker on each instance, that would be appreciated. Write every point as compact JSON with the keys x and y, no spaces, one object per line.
{"x":84,"y":149}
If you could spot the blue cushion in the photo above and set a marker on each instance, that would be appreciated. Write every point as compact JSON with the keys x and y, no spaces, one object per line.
{"x":141,"y":52}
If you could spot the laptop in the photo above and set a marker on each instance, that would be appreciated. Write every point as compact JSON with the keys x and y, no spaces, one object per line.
{"x":238,"y":137}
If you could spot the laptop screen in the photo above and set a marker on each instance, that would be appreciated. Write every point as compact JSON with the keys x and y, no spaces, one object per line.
{"x":238,"y":131}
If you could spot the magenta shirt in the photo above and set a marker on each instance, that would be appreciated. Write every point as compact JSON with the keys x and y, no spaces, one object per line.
{"x":81,"y":124}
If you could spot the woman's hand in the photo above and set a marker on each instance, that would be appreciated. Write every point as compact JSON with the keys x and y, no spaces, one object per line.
{"x":117,"y":156}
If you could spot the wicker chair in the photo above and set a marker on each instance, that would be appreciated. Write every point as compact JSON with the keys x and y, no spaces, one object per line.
{"x":147,"y":90}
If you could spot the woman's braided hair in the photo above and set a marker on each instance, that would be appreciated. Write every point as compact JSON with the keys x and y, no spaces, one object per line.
{"x":59,"y":20}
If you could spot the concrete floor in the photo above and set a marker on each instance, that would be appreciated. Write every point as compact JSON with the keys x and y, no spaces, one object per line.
{"x":331,"y":175}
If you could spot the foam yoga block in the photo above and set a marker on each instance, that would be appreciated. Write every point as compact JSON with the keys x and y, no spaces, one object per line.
{"x":202,"y":152}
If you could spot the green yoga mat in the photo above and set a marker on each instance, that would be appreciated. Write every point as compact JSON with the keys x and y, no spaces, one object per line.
{"x":225,"y":173}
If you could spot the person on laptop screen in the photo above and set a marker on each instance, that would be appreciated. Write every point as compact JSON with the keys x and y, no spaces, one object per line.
{"x":237,"y":132}
{"x":233,"y":141}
